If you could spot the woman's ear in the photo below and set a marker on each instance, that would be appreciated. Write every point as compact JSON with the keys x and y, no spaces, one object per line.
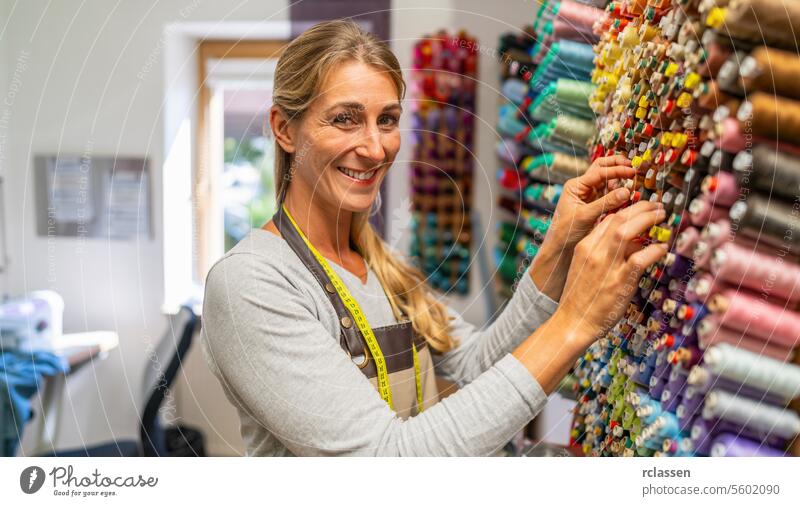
{"x":279,"y":124}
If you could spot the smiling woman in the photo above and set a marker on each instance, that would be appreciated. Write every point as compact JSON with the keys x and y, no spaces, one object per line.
{"x":327,"y":342}
{"x":355,"y":130}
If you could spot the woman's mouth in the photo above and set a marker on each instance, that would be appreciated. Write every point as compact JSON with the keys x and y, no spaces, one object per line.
{"x":359,"y":177}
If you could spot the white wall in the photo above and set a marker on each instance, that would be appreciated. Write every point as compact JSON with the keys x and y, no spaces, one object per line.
{"x":5,"y":111}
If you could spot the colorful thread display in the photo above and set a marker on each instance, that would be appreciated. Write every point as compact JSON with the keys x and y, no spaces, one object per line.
{"x":701,"y":95}
{"x":444,"y":82}
{"x":546,"y":124}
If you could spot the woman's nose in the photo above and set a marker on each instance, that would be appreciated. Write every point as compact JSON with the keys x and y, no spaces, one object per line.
{"x":371,"y":146}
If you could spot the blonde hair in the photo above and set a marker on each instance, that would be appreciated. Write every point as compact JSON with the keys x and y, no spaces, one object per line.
{"x":301,"y":68}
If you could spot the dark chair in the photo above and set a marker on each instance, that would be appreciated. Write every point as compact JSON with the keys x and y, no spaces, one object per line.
{"x":162,"y":369}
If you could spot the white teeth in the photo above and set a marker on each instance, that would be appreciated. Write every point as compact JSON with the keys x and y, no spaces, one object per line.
{"x":362,"y":176}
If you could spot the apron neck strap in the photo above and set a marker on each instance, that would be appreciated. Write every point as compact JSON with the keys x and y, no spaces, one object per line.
{"x":351,"y":336}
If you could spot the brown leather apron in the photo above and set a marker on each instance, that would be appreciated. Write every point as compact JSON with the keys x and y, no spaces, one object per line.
{"x":394,"y":340}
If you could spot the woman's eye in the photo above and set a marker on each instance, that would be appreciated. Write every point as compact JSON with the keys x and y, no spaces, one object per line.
{"x":388,"y":120}
{"x":343,"y":118}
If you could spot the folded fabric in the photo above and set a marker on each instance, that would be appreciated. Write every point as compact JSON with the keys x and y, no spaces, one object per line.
{"x":21,"y":376}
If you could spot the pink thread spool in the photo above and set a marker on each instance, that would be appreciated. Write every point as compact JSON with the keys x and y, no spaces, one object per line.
{"x":580,"y":19}
{"x":686,"y":241}
{"x":703,"y":286}
{"x":770,"y":274}
{"x":710,"y":332}
{"x":731,"y":138}
{"x":754,"y":244}
{"x":758,"y":318}
{"x":564,"y":30}
{"x":702,"y":255}
{"x":716,"y":232}
{"x":721,"y":189}
{"x":701,"y":211}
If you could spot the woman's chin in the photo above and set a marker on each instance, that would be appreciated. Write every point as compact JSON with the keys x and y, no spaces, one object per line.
{"x":358,"y":205}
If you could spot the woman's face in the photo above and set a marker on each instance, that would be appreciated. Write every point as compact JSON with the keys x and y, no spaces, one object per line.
{"x":348,"y":138}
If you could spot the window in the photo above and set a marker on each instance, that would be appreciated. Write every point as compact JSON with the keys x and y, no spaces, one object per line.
{"x":233,"y":186}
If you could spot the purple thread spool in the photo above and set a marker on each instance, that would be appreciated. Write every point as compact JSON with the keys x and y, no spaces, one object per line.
{"x":730,"y":445}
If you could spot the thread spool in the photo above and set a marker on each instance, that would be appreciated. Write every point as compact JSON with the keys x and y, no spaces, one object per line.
{"x":677,"y":265}
{"x":750,"y":314}
{"x":573,"y":130}
{"x":700,"y":287}
{"x":510,"y":152}
{"x":769,"y":170}
{"x":755,"y":415}
{"x":771,"y":70}
{"x":794,"y":446}
{"x":703,"y":380}
{"x":686,"y":242}
{"x":721,"y":189}
{"x":690,"y":405}
{"x":514,"y":90}
{"x":775,"y":22}
{"x":716,"y":233}
{"x":771,"y":116}
{"x":702,"y":211}
{"x":731,"y":445}
{"x":710,"y":333}
{"x":576,"y":95}
{"x":580,"y":17}
{"x":717,"y":54}
{"x":732,"y":135}
{"x":700,"y":434}
{"x":770,"y":274}
{"x":770,"y":221}
{"x":634,"y":51}
{"x":559,"y":166}
{"x":767,"y":374}
{"x":510,"y":179}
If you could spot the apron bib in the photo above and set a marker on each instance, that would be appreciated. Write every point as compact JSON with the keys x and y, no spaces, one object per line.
{"x":395,"y":341}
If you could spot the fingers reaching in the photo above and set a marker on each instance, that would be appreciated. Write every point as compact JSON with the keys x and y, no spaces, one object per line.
{"x":608,"y":161}
{"x":600,"y":176}
{"x":646,"y":257}
{"x":641,"y":223}
{"x":642,"y":206}
{"x":609,"y":202}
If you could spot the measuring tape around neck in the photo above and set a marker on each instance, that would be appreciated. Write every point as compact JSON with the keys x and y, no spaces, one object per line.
{"x":361,"y":322}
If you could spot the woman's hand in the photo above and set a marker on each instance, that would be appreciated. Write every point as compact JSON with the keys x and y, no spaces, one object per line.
{"x":581,"y":203}
{"x":606,"y":268}
{"x":603,"y":276}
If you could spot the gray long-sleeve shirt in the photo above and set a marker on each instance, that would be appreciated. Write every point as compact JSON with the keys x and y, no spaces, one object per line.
{"x":271,"y":336}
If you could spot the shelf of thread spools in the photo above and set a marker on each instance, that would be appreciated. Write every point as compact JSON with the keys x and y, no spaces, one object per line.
{"x":704,"y":361}
{"x":443,"y":91}
{"x":545,"y":124}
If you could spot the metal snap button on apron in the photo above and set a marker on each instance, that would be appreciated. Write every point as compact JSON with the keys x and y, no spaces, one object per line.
{"x":364,"y":359}
{"x":346,"y":322}
{"x":329,"y":288}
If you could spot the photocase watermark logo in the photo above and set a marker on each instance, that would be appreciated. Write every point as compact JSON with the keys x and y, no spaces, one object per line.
{"x":67,"y":482}
{"x":31,"y":479}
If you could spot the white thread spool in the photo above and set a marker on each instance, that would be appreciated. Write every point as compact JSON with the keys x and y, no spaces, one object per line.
{"x":765,"y":373}
{"x":748,"y":413}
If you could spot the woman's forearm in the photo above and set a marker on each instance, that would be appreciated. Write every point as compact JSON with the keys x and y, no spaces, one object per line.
{"x":550,"y":267}
{"x":553,"y":348}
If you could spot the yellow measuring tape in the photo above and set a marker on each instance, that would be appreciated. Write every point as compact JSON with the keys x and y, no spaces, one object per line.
{"x":361,"y":321}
